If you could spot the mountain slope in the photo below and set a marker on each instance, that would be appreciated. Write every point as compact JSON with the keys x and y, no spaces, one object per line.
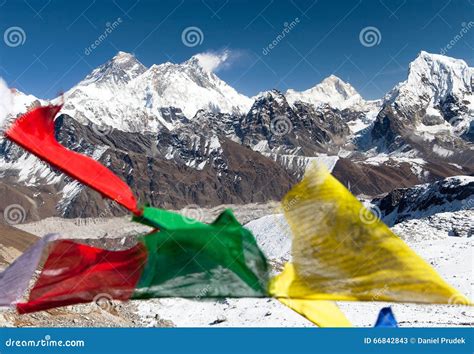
{"x":431,"y":112}
{"x":125,"y":95}
{"x":187,"y":86}
{"x":169,"y":169}
{"x":13,"y":243}
{"x":115,"y":73}
{"x":176,"y":121}
{"x":294,"y":136}
{"x":447,"y":195}
{"x":332,"y":91}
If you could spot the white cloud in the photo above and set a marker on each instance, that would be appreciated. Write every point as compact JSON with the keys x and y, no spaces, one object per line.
{"x":6,"y":102}
{"x":215,"y":61}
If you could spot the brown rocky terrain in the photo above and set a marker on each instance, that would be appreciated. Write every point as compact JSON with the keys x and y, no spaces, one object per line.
{"x":13,"y":242}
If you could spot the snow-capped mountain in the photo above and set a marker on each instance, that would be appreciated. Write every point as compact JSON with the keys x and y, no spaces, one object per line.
{"x":432,"y":111}
{"x":13,"y":103}
{"x":190,"y":87}
{"x":102,"y":99}
{"x":273,"y":125}
{"x":331,"y":91}
{"x":23,"y":102}
{"x":19,"y":170}
{"x":432,"y":78}
{"x":334,"y":93}
{"x":444,"y":88}
{"x":293,"y":135}
{"x":115,"y":73}
{"x":125,"y":95}
{"x":186,"y":120}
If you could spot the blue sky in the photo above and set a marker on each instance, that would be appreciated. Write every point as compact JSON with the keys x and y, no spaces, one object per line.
{"x":324,"y":39}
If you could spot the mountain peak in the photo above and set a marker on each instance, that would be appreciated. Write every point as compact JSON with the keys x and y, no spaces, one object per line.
{"x":335,"y":86}
{"x":333,"y":79}
{"x":271,"y":95}
{"x":332,"y":91}
{"x":193,"y":61}
{"x":189,"y":87}
{"x":119,"y":70}
{"x":432,"y":60}
{"x":195,"y":66}
{"x":192,"y":65}
{"x":124,"y":59}
{"x":123,"y":55}
{"x":434,"y":77}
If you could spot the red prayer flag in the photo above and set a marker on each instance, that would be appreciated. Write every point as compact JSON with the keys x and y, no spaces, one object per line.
{"x":76,"y":273}
{"x":34,"y":131}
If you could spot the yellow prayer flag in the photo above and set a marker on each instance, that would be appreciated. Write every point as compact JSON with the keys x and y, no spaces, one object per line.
{"x":321,"y":313}
{"x":341,"y":251}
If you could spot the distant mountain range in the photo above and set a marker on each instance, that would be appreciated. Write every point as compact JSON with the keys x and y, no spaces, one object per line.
{"x":179,"y":135}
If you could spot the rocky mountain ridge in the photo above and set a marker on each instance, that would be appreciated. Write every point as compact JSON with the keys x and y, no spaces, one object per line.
{"x":171,"y":122}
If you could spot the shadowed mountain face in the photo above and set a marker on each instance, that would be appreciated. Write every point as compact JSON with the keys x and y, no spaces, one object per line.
{"x":178,"y":135}
{"x":450,"y":194}
{"x":169,"y":170}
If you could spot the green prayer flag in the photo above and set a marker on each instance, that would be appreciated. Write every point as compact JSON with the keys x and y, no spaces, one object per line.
{"x":187,"y":258}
